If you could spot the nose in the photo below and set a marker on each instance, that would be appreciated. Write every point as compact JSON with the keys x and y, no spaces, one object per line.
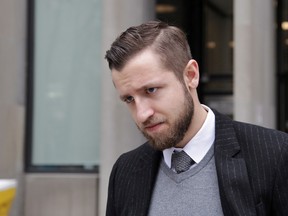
{"x":144,"y":111}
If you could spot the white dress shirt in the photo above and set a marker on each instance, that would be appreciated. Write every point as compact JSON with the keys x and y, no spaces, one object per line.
{"x":200,"y":144}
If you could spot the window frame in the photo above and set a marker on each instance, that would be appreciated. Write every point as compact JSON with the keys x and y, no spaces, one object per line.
{"x":29,"y":167}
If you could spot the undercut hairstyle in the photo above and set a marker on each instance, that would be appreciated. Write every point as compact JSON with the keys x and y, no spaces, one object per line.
{"x":169,"y":42}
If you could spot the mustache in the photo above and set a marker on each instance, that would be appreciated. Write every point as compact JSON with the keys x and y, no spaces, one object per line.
{"x":152,"y":121}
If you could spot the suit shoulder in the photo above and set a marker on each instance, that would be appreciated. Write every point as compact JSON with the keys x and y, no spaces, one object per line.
{"x":250,"y":135}
{"x":134,"y":157}
{"x":265,"y":140}
{"x":253,"y":131}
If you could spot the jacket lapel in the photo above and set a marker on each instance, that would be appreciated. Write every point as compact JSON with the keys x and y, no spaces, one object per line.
{"x":235,"y":190}
{"x":145,"y":176}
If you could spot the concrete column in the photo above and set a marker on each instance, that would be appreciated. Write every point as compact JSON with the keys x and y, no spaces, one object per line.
{"x":119,"y":133}
{"x":254,"y":62}
{"x":12,"y":94}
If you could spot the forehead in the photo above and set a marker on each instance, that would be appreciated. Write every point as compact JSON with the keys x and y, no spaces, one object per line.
{"x":142,"y":69}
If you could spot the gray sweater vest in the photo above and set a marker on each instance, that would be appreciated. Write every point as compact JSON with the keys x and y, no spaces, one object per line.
{"x":194,"y":192}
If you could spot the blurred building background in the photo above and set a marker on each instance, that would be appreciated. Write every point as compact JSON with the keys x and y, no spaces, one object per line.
{"x":61,"y":123}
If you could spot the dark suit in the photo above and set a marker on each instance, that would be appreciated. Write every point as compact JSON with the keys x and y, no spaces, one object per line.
{"x":251,"y":164}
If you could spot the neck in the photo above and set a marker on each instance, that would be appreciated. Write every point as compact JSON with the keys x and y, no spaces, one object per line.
{"x":197,"y":121}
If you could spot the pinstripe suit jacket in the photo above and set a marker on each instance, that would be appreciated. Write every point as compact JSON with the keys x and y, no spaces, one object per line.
{"x":251,"y":164}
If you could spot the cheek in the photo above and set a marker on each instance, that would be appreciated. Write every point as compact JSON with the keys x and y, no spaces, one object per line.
{"x":168,"y":108}
{"x":133,"y":114}
{"x":175,"y":100}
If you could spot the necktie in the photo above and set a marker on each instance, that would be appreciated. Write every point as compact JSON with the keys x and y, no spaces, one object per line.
{"x":181,"y":161}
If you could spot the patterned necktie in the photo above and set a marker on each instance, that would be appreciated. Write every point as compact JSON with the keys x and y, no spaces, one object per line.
{"x":181,"y":161}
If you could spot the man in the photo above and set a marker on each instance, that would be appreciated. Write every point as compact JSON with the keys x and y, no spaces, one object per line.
{"x":196,"y":161}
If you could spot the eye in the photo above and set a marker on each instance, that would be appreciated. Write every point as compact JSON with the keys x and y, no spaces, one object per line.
{"x":151,"y":90}
{"x":128,"y":99}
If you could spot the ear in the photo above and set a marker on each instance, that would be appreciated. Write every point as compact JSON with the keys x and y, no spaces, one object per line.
{"x":191,"y":74}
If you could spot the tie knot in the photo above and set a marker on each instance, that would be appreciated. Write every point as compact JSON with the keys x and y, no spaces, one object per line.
{"x":181,"y":161}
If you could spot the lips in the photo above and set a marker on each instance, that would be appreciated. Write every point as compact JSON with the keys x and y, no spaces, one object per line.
{"x":153,"y":127}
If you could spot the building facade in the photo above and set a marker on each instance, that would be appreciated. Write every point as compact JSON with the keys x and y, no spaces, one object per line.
{"x":249,"y":83}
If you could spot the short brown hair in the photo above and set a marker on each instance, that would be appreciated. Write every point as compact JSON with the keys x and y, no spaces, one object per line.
{"x":169,"y":42}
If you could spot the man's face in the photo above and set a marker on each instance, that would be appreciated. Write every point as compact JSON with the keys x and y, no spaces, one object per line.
{"x":161,"y":106}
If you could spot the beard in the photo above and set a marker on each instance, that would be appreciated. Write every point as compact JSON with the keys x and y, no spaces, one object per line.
{"x":178,"y":129}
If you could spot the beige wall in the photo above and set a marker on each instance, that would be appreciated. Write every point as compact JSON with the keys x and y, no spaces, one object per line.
{"x":12,"y":76}
{"x":254,"y":62}
{"x":61,"y":195}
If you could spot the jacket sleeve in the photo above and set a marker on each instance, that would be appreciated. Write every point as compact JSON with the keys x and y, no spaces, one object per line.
{"x":280,"y":192}
{"x":110,"y":207}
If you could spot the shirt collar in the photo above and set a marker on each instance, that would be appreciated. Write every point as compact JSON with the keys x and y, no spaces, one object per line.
{"x":200,"y":144}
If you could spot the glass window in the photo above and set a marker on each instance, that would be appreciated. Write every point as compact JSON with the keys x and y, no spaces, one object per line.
{"x":282,"y":64}
{"x":64,"y":85}
{"x":217,"y":71}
